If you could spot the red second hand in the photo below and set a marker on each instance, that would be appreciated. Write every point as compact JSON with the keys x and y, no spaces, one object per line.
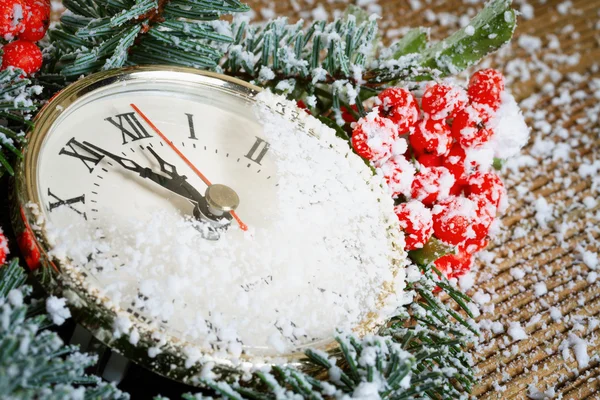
{"x":242,"y":225}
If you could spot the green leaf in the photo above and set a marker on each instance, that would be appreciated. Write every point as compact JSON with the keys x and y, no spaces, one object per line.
{"x":415,"y":41}
{"x":493,"y":27}
{"x":431,"y":251}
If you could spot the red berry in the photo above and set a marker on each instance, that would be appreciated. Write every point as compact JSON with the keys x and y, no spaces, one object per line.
{"x":431,"y":136}
{"x":485,"y":88}
{"x":399,"y":174}
{"x":3,"y":248}
{"x":443,"y":101}
{"x":431,"y":185}
{"x":472,"y":246}
{"x":347,"y":116}
{"x":373,"y":137}
{"x":416,"y":222}
{"x":455,"y":265}
{"x":455,"y":161}
{"x":400,"y":106}
{"x":468,"y":128}
{"x":486,"y":212}
{"x":487,"y":184}
{"x":37,"y":20}
{"x":430,"y":160}
{"x":29,"y":248}
{"x":12,"y":13}
{"x":22,"y":54}
{"x":453,"y":219}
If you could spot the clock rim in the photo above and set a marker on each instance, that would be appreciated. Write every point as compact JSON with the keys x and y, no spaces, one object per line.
{"x":56,"y":279}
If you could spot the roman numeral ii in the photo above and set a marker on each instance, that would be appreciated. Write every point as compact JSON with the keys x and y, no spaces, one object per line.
{"x":258,"y":150}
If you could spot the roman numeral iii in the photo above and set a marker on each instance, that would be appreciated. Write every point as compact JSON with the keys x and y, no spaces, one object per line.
{"x":129,"y":126}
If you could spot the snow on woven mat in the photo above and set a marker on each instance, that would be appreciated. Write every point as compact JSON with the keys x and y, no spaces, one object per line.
{"x":321,"y":264}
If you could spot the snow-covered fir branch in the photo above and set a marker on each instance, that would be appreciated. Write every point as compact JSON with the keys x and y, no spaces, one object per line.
{"x":34,"y":361}
{"x":16,"y":108}
{"x":94,"y":36}
{"x":341,"y":63}
{"x":419,"y":354}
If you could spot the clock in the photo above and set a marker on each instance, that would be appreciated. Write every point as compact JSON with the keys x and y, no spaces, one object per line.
{"x":191,"y":220}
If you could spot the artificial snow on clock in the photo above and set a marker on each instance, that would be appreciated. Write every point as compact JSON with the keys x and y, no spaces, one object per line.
{"x":189,"y":218}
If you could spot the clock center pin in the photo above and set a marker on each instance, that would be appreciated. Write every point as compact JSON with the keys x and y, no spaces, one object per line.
{"x":221,"y":199}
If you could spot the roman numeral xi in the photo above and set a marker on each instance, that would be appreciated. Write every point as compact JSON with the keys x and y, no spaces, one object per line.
{"x":88,"y":156}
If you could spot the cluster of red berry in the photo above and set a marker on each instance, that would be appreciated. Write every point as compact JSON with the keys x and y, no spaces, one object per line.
{"x":447,"y":195}
{"x":24,"y":22}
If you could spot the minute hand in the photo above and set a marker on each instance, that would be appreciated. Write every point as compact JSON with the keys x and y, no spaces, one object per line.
{"x":175,"y":183}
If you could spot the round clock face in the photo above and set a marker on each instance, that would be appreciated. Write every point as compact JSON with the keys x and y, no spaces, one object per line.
{"x":202,"y":219}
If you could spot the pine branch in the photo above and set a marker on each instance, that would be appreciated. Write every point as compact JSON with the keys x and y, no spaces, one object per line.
{"x":100,"y":35}
{"x":341,"y":59}
{"x":35,"y":363}
{"x":16,"y":108}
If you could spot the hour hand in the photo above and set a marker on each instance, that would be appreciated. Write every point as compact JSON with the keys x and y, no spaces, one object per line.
{"x":173,"y":182}
{"x":124,"y":162}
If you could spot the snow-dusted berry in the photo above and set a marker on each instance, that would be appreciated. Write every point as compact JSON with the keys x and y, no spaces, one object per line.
{"x":401,"y":106}
{"x":22,"y":54}
{"x":12,"y":18}
{"x":485,"y":87}
{"x":487,"y":184}
{"x":469,"y":129}
{"x":416,"y":222}
{"x":37,"y":19}
{"x":486,"y":212}
{"x":453,"y":219}
{"x":430,"y":160}
{"x":432,"y":184}
{"x":431,"y":136}
{"x":399,"y":174}
{"x":472,"y":246}
{"x":373,"y":137}
{"x":443,"y":101}
{"x":454,"y":265}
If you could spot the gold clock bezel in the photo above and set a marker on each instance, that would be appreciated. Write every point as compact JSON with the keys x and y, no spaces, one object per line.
{"x":58,"y":279}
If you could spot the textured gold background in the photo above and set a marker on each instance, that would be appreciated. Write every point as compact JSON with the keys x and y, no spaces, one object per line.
{"x":506,"y":371}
